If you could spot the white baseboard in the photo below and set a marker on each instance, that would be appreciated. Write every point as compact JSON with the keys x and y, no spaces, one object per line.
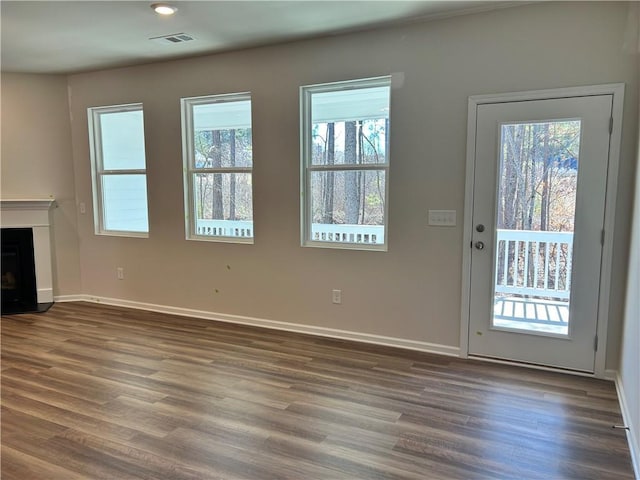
{"x":611,"y":375}
{"x":632,"y":432}
{"x":70,"y":298}
{"x":272,"y":324}
{"x":44,"y":295}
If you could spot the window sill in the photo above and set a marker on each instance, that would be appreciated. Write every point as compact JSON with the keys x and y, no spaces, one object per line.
{"x":347,"y":246}
{"x":203,"y":238}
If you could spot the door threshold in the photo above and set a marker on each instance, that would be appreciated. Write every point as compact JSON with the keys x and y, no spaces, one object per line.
{"x":535,"y":366}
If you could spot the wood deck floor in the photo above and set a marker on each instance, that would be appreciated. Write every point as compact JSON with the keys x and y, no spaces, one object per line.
{"x":97,"y":392}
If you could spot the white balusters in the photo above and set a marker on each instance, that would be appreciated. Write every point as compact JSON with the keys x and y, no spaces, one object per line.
{"x":551,"y":265}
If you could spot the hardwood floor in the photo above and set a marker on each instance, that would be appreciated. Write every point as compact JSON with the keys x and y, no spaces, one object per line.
{"x":97,"y":392}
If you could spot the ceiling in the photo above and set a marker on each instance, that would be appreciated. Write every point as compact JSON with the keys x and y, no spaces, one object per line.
{"x":76,"y":36}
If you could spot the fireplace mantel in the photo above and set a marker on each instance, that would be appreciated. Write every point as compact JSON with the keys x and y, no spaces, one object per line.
{"x":34,"y":213}
{"x":26,"y":203}
{"x":25,"y":212}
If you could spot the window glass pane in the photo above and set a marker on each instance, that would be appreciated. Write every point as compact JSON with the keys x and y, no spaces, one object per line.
{"x":125,"y":203}
{"x":352,"y":104}
{"x":219,"y":137}
{"x":122,"y":135}
{"x":222,"y":115}
{"x":348,"y":206}
{"x":357,"y":142}
{"x":223,"y":204}
{"x":223,"y":148}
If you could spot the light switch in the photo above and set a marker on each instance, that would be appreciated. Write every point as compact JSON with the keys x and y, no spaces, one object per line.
{"x":442,"y":218}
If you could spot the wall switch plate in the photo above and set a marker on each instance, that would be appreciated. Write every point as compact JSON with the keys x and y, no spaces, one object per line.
{"x":442,"y":218}
{"x":336,"y":296}
{"x":120,"y":273}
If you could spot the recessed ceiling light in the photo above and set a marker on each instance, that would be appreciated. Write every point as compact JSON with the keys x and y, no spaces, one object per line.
{"x":164,"y":8}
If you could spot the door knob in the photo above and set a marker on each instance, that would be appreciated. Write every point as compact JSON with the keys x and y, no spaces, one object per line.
{"x":479,"y":245}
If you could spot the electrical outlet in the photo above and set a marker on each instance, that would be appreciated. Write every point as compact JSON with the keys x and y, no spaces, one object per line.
{"x":120,"y":273}
{"x":83,"y":208}
{"x":336,"y":296}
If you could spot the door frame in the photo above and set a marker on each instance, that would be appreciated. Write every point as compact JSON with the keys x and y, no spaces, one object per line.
{"x":615,"y":89}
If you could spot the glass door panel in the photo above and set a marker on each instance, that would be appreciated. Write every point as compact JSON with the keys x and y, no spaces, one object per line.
{"x":536,"y":204}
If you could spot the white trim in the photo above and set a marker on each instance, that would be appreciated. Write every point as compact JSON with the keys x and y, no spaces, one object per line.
{"x":36,"y":215}
{"x":307,"y":166}
{"x":98,"y":172}
{"x":610,"y":375}
{"x":26,"y":213}
{"x":70,"y":298}
{"x":272,"y":324}
{"x":45,"y":295}
{"x":189,"y":169}
{"x":26,"y":204}
{"x":364,"y":247}
{"x":465,"y":300}
{"x":617,"y":91}
{"x":26,"y":225}
{"x":583,"y":91}
{"x":634,"y":441}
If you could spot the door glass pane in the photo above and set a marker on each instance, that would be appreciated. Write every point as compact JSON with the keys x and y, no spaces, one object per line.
{"x":537,"y":182}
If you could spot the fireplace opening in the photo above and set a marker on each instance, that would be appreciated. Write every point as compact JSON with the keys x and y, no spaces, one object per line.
{"x":19,"y":291}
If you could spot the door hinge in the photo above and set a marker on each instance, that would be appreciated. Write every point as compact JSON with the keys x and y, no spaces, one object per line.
{"x":602,"y":237}
{"x":595,"y":343}
{"x":610,"y":125}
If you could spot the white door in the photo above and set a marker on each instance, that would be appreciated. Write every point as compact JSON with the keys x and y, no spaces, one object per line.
{"x":539,"y":187}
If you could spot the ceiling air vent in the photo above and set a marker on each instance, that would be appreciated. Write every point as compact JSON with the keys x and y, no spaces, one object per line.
{"x":173,"y":38}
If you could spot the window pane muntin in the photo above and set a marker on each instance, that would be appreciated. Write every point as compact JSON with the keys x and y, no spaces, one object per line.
{"x":310,"y":169}
{"x":124,"y":204}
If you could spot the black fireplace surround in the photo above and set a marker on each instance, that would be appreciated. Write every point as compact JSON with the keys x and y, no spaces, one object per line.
{"x":19,"y":292}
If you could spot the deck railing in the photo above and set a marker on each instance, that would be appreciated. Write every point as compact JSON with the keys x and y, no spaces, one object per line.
{"x":368,"y":234}
{"x":347,"y":233}
{"x":534,"y":263}
{"x":224,"y":228}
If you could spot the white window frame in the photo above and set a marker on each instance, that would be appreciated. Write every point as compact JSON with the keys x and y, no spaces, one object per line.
{"x":307,"y":166}
{"x":188,"y":156}
{"x":98,"y":171}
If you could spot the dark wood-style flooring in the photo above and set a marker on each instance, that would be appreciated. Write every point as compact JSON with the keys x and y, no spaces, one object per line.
{"x":97,"y":392}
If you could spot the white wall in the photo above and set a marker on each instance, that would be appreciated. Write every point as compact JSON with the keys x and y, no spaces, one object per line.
{"x":630,"y":349}
{"x":37,"y":163}
{"x":413,"y":290}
